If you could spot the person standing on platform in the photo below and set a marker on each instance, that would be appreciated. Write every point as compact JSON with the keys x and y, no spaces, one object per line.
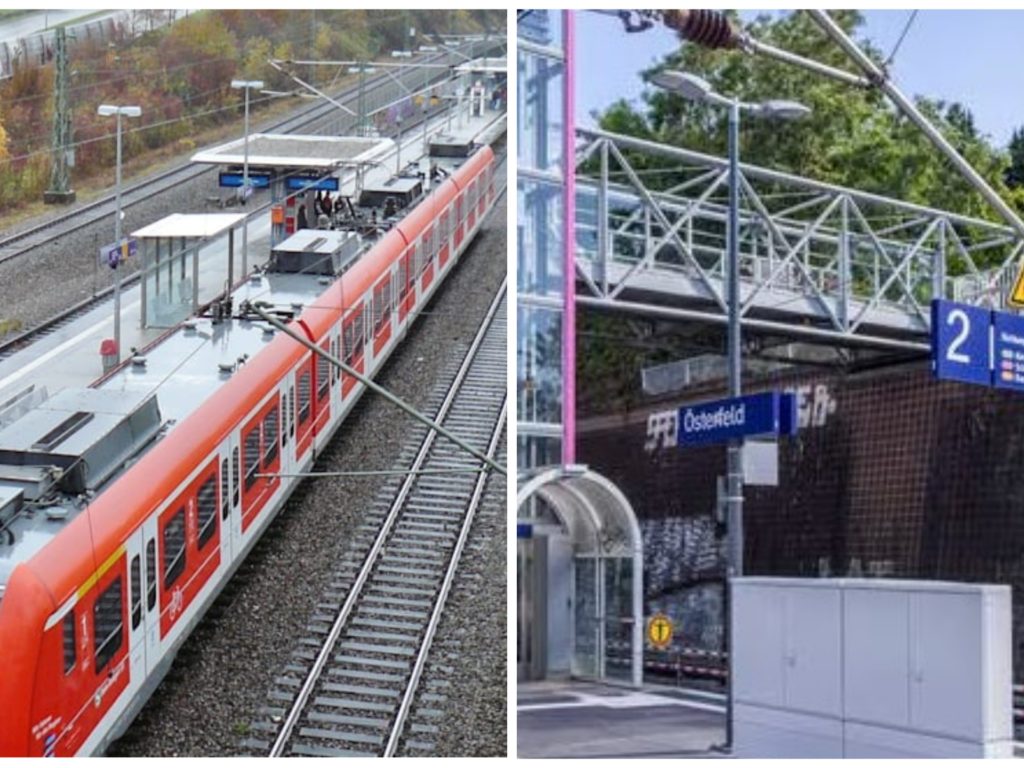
{"x":301,"y":222}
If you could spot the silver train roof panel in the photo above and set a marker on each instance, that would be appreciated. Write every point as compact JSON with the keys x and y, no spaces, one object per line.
{"x":182,"y":371}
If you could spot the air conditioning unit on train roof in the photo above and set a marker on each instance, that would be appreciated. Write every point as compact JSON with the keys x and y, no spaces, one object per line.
{"x":75,"y":441}
{"x":315,"y":252}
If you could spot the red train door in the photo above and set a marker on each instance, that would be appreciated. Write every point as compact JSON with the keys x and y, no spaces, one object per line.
{"x":322,"y":387}
{"x":381,"y":314}
{"x":427,"y":257}
{"x":406,"y":283}
{"x":459,"y":224}
{"x":303,"y":405}
{"x":352,"y":347}
{"x":444,"y":236}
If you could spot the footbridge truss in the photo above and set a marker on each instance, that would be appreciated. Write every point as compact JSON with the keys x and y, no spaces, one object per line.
{"x":818,"y":262}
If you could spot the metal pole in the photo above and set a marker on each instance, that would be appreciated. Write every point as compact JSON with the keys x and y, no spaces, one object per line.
{"x":569,"y":242}
{"x":372,"y":385}
{"x":117,"y":242}
{"x":245,"y":189}
{"x":905,"y":105}
{"x":734,"y":456}
{"x":398,"y":162}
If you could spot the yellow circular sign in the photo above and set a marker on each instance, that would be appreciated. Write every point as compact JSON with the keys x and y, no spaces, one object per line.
{"x":659,"y":631}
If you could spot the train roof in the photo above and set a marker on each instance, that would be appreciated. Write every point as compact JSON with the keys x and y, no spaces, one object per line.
{"x":202,"y":368}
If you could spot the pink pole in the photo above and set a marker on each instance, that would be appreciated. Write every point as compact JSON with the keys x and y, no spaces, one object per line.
{"x":569,"y":243}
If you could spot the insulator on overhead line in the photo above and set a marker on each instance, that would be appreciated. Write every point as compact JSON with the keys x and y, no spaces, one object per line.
{"x":704,"y":27}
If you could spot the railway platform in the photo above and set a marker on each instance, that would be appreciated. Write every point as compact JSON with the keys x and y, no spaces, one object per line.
{"x":570,"y":718}
{"x":69,"y":355}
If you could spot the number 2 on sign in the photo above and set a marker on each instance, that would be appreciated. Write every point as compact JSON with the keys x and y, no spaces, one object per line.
{"x":953,"y":354}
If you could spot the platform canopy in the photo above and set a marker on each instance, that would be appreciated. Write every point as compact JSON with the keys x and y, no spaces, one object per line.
{"x":190,"y":225}
{"x":271,"y":150}
{"x":491,"y":66}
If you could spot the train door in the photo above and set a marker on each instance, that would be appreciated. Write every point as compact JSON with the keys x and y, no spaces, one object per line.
{"x":427,"y":244}
{"x":230,"y":519}
{"x":287,"y":426}
{"x":135,"y":553}
{"x":150,"y":610}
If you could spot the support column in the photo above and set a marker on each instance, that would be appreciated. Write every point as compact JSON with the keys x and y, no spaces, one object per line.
{"x":569,"y":244}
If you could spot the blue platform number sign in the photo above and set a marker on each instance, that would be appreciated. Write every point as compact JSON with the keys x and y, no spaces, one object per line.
{"x":961,"y":342}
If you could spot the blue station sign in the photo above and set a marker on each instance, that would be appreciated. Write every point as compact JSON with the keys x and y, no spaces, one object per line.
{"x":301,"y":183}
{"x":716,"y":421}
{"x":977,"y":346}
{"x":114,"y":254}
{"x":961,"y":342}
{"x":524,"y":531}
{"x":233,"y":179}
{"x":1008,"y":351}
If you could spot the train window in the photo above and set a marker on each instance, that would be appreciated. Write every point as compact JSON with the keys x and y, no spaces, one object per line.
{"x":291,"y":410}
{"x":334,"y":368}
{"x":108,"y":623}
{"x":174,"y":548}
{"x":252,"y":456}
{"x":136,"y":592}
{"x":428,"y":243}
{"x":206,"y":503}
{"x":381,"y":304}
{"x":305,"y":395}
{"x":69,"y":641}
{"x":353,"y":331}
{"x":422,"y":257}
{"x":444,"y":225}
{"x":403,"y":274}
{"x":458,"y":208}
{"x":323,"y":376}
{"x":225,"y":490}
{"x":270,"y":438}
{"x":150,"y":574}
{"x":235,"y":474}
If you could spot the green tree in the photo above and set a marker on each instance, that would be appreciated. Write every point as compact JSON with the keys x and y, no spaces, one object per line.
{"x":1015,"y":172}
{"x":852,"y":137}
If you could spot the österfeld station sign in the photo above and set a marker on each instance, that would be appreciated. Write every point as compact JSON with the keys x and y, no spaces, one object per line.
{"x":716,"y":421}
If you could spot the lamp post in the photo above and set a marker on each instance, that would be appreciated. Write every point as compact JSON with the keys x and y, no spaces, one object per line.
{"x":246,"y":85}
{"x":106,"y":110}
{"x":694,"y":88}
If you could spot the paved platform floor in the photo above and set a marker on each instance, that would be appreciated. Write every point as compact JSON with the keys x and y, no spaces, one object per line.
{"x":577,"y":719}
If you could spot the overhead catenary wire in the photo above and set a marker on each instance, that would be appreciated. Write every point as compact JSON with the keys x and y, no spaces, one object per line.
{"x":369,"y":383}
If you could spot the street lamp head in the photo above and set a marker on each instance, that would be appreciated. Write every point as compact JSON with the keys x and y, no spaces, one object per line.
{"x":247,"y":84}
{"x":683,"y":83}
{"x":106,"y":110}
{"x":780,"y":109}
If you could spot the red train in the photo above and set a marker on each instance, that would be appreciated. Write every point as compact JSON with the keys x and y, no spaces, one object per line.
{"x":91,"y":621}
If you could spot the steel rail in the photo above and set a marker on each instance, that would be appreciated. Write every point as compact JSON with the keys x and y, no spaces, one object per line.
{"x":370,"y":561}
{"x":398,"y":726}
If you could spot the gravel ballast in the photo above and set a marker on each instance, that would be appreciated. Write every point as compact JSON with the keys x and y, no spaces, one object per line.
{"x":226,"y":667}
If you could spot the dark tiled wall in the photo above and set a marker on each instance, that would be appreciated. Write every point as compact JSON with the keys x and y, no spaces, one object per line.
{"x":905,"y":477}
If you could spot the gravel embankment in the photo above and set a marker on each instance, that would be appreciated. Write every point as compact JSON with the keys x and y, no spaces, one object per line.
{"x":472,"y":637}
{"x":225,"y":669}
{"x":35,"y":287}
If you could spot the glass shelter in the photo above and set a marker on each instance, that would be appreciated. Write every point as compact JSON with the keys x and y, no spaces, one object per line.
{"x":187,"y":260}
{"x":580,"y":578}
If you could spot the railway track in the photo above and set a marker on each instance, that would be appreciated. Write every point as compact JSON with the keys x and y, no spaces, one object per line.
{"x":351,"y":686}
{"x":19,"y":243}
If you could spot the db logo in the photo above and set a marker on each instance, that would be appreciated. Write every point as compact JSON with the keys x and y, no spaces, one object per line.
{"x":177,"y":601}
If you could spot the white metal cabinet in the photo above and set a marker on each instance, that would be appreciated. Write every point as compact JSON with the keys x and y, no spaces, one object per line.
{"x":876,"y":660}
{"x":787,"y":646}
{"x":925,"y":668}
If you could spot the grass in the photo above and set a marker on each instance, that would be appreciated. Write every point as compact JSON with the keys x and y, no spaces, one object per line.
{"x":98,"y":184}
